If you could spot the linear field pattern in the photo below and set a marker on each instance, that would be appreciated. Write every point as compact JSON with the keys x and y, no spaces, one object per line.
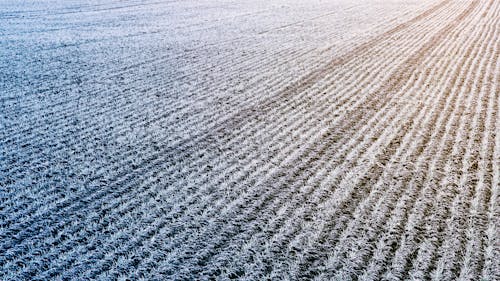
{"x":252,"y":140}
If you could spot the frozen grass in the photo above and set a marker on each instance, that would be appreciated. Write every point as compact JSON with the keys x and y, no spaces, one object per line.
{"x":283,"y":140}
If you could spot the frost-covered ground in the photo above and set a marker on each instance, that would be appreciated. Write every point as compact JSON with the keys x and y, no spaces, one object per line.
{"x":287,"y":139}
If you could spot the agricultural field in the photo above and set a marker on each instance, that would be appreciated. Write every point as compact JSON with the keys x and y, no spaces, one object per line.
{"x":249,"y":140}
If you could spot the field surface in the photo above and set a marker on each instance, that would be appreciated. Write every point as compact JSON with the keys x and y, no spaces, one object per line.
{"x":252,"y":140}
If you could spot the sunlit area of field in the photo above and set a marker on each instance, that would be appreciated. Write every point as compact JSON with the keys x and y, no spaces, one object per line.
{"x":249,"y":140}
